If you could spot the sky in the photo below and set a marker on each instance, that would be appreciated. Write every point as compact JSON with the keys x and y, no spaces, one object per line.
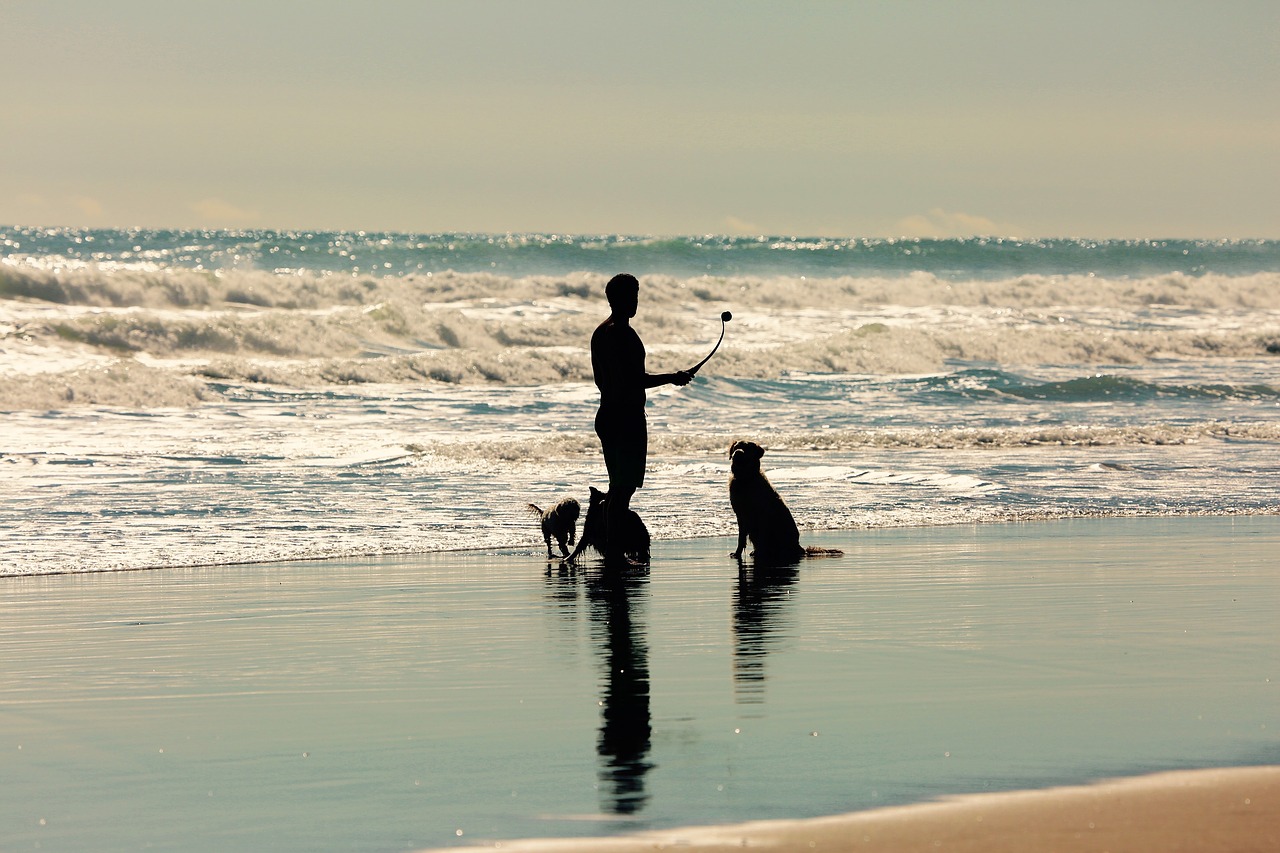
{"x":1020,"y":118}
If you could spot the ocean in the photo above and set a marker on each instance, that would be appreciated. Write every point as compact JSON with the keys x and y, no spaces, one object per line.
{"x":189,"y":398}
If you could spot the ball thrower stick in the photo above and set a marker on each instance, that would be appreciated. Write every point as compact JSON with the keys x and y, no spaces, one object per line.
{"x":724,"y":320}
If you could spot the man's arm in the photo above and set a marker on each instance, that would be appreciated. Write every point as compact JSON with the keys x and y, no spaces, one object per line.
{"x":680,"y":377}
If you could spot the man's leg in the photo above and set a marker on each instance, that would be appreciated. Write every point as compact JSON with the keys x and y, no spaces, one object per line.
{"x":615,"y":521}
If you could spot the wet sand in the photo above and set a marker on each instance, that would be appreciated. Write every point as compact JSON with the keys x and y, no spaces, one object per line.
{"x":472,"y":698}
{"x":1198,"y":811}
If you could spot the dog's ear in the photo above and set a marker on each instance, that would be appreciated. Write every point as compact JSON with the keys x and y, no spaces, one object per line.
{"x":596,"y":494}
{"x":755,"y":450}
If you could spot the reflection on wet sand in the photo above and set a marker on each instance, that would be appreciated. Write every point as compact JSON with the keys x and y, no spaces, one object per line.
{"x":625,"y":728}
{"x":759,"y":611}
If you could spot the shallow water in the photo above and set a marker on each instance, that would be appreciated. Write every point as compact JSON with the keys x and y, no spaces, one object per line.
{"x":450,"y":698}
{"x":280,"y":474}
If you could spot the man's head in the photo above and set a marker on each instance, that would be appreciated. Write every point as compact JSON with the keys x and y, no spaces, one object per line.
{"x":623,"y":293}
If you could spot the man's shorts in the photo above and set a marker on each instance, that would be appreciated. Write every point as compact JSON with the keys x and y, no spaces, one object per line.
{"x":625,"y":441}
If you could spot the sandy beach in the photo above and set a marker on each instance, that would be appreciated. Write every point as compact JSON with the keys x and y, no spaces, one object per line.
{"x":1202,"y":811}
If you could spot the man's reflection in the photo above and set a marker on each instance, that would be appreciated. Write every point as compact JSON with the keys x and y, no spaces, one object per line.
{"x":625,"y":728}
{"x":758,"y":605}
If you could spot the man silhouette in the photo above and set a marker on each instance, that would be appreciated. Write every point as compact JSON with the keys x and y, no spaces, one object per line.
{"x":617,"y":361}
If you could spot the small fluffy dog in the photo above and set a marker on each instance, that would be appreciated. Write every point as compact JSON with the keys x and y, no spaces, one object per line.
{"x":763,"y":517}
{"x":595,"y":531}
{"x":559,"y":523}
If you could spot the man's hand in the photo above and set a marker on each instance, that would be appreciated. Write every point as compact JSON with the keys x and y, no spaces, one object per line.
{"x":681,"y":377}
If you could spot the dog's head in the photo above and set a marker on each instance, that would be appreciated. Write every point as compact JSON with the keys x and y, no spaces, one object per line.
{"x":597,"y":496}
{"x":567,"y":510}
{"x":745,"y":457}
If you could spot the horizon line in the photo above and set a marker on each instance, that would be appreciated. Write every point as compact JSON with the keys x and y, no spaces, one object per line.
{"x":572,"y":234}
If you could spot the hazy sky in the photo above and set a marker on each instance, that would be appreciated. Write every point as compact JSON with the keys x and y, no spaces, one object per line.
{"x":1016,"y":117}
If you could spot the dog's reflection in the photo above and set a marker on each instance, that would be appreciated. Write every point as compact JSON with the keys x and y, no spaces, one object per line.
{"x":615,"y":599}
{"x":759,"y":614}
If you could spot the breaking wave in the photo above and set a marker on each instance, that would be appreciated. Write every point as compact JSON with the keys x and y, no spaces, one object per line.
{"x":309,"y":329}
{"x":112,"y":285}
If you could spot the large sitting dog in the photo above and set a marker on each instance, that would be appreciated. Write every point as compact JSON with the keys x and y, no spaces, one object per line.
{"x":595,"y":531}
{"x":763,"y":517}
{"x":559,"y":523}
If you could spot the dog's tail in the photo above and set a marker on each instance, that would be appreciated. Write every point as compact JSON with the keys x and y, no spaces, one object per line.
{"x":823,"y":552}
{"x":535,"y":509}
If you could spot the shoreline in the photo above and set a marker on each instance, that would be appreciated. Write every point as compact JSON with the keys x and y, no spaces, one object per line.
{"x":536,"y":548}
{"x":1218,"y":810}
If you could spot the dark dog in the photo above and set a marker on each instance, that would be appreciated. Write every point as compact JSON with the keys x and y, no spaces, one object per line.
{"x":763,"y":517}
{"x":559,"y":523}
{"x":595,"y":531}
